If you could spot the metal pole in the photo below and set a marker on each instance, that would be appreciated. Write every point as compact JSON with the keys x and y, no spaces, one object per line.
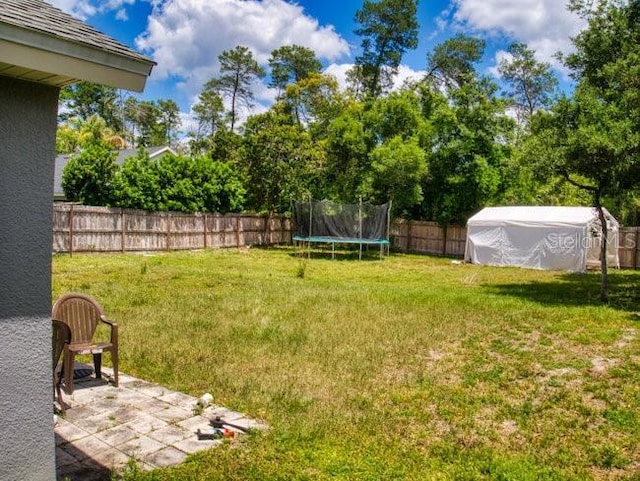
{"x":388,"y":226}
{"x":360,"y":227}
{"x":310,"y":224}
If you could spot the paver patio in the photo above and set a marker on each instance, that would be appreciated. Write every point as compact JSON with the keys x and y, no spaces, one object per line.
{"x":106,"y":426}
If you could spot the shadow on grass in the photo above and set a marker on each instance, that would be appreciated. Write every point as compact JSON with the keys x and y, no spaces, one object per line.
{"x":579,"y":290}
{"x":338,"y":255}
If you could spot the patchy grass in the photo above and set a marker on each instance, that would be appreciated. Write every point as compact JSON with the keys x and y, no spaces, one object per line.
{"x":408,"y":368}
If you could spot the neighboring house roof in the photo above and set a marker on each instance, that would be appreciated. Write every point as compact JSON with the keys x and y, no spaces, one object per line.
{"x":41,"y":43}
{"x":154,"y":152}
{"x":62,"y":159}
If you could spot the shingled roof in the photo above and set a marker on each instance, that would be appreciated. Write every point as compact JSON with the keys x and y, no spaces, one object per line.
{"x":42,"y":43}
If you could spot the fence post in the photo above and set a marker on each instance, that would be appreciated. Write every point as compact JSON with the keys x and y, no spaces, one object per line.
{"x":409,"y":228}
{"x":168,"y":230}
{"x":223,"y":231}
{"x":122,"y":236}
{"x":71,"y":231}
{"x":267,"y":235}
{"x":204,"y":228}
{"x":282,"y":219}
{"x":444,"y":244}
{"x":237,"y":231}
{"x":635,"y":250}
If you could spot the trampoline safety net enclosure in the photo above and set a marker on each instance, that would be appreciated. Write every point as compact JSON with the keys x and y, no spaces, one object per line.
{"x":333,"y":223}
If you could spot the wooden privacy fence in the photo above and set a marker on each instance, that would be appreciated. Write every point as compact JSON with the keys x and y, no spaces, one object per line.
{"x":628,"y":248}
{"x":428,"y":238}
{"x":80,"y":228}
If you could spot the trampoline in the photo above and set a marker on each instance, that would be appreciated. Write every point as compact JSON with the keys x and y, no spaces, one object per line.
{"x":327,"y":222}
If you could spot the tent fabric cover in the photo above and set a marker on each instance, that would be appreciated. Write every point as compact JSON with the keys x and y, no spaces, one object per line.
{"x":540,"y":237}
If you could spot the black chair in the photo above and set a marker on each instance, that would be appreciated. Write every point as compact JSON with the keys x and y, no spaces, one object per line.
{"x":61,"y":338}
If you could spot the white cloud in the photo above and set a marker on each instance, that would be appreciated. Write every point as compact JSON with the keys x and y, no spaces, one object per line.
{"x":185,"y":37}
{"x":78,"y":8}
{"x":544,"y":25}
{"x":188,"y":123}
{"x":339,"y":71}
{"x":122,"y":15}
{"x":83,"y":9}
{"x":499,"y":56}
{"x":407,"y":73}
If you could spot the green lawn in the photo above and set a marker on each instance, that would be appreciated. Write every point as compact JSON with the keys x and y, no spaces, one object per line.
{"x":409,"y":368}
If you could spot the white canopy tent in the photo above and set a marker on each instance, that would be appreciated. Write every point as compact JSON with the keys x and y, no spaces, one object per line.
{"x":551,"y":238}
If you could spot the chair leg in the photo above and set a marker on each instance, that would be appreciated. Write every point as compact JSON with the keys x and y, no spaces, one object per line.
{"x":63,"y":405}
{"x":114,"y":362}
{"x":97,"y":365}
{"x":68,"y":371}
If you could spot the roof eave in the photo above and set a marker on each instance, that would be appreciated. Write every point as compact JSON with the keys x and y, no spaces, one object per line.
{"x":44,"y":58}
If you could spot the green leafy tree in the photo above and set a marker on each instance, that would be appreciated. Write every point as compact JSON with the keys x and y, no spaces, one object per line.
{"x":314,"y":100}
{"x":531,"y":83}
{"x":238,"y":70}
{"x":168,"y":123}
{"x":131,"y":115}
{"x":67,"y":139}
{"x":388,"y":29}
{"x":280,"y":162}
{"x":143,"y":115}
{"x":209,"y":113}
{"x":137,"y":185}
{"x":178,"y":183}
{"x":529,"y":177}
{"x":398,"y":168}
{"x":177,"y":179}
{"x":226,"y":146}
{"x":85,"y":99}
{"x":152,"y":122}
{"x":347,"y":147}
{"x":451,"y":63}
{"x":468,"y":153}
{"x":397,"y":115}
{"x":95,"y":130}
{"x":597,"y":131}
{"x":592,"y":138}
{"x":356,"y":82}
{"x":221,"y":183}
{"x":291,"y":64}
{"x":89,"y":176}
{"x":75,"y":133}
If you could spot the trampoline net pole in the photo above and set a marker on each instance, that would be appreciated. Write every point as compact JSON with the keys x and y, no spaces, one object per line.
{"x":360,"y":228}
{"x":310,"y":224}
{"x":389,"y":226}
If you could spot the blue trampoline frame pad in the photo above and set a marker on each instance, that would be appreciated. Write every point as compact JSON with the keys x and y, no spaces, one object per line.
{"x":343,"y":240}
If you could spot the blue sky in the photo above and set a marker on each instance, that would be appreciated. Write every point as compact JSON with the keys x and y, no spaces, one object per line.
{"x":185,"y":37}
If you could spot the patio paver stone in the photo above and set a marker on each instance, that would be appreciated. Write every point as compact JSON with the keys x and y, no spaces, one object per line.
{"x":106,"y":426}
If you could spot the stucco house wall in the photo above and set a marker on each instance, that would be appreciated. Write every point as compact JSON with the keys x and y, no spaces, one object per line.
{"x":41,"y":50}
{"x":27,"y":111}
